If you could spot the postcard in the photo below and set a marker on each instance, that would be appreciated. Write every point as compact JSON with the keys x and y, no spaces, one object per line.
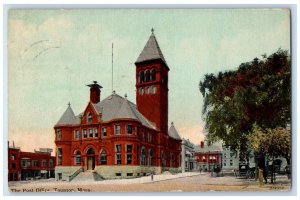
{"x":149,"y":100}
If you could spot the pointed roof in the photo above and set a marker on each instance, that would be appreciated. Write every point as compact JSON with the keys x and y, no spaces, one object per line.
{"x":151,"y":51}
{"x":68,"y":117}
{"x":173,"y":132}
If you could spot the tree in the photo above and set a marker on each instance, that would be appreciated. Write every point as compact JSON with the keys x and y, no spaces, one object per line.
{"x":275,"y":142}
{"x":258,"y":92}
{"x":272,"y":142}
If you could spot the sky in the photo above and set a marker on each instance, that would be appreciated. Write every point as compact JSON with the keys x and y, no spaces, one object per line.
{"x":54,"y":54}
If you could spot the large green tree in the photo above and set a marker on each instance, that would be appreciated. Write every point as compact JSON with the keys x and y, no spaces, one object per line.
{"x":258,"y":92}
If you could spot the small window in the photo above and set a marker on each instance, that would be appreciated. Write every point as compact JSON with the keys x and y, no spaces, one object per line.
{"x":95,"y":132}
{"x":76,"y":134}
{"x":153,"y":75}
{"x":141,"y":91}
{"x":117,"y":129}
{"x":12,"y":157}
{"x":13,"y":165}
{"x":141,"y":78}
{"x":153,"y":90}
{"x":118,"y":148}
{"x":118,"y":174}
{"x":90,"y":133}
{"x":103,"y":130}
{"x":84,"y":134}
{"x":35,"y":163}
{"x":129,"y":148}
{"x":59,"y":156}
{"x":147,"y":77}
{"x":44,"y":163}
{"x":149,"y":137}
{"x":129,"y":159}
{"x":89,"y":118}
{"x":103,"y":158}
{"x":50,"y":163}
{"x":58,"y":135}
{"x":129,"y":174}
{"x":129,"y":129}
{"x":119,"y":159}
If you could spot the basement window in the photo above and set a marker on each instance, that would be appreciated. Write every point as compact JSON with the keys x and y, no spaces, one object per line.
{"x":118,"y":174}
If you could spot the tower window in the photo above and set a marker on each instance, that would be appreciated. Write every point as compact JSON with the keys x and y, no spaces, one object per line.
{"x":141,"y":78}
{"x":147,"y":91}
{"x":141,"y":91}
{"x":153,"y":75}
{"x":153,"y":90}
{"x":147,"y":76}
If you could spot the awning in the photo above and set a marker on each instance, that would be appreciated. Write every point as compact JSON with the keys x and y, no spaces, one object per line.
{"x":188,"y":153}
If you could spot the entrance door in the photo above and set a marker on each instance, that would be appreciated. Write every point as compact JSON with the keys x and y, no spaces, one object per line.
{"x":91,"y":163}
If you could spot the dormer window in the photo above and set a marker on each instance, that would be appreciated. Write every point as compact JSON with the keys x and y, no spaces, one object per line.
{"x":89,"y":118}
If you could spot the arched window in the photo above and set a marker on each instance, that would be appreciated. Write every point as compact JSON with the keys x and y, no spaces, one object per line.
{"x":147,"y":76}
{"x":103,"y":157}
{"x":153,"y":89}
{"x":150,"y":156}
{"x":147,"y":90}
{"x":141,"y":77}
{"x":89,"y":118}
{"x":77,"y":157}
{"x":153,"y":75}
{"x":143,"y":156}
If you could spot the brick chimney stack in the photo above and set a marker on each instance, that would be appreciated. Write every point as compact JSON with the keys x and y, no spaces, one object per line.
{"x":202,"y":144}
{"x":95,"y":92}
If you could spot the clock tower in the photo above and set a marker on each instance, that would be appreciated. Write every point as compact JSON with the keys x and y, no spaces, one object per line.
{"x":152,"y":84}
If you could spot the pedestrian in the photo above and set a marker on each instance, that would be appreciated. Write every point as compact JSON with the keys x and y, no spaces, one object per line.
{"x":152,"y":176}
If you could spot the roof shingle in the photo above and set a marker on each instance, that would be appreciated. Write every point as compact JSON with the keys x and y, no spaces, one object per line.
{"x":151,"y":51}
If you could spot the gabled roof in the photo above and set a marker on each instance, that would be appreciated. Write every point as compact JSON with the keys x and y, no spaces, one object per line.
{"x":117,"y":107}
{"x":68,"y":117}
{"x":173,"y":132}
{"x":151,"y":51}
{"x":205,"y":149}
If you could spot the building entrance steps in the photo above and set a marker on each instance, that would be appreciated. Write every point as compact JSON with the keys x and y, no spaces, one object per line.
{"x":89,"y":175}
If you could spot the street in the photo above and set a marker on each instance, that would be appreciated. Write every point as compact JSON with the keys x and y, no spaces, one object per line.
{"x":183,"y":182}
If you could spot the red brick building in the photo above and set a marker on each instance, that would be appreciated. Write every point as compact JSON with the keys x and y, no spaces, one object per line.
{"x":116,"y":138}
{"x":208,"y":157}
{"x":30,"y":165}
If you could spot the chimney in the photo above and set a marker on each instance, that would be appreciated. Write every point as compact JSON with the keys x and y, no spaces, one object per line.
{"x":202,"y":144}
{"x":95,"y":92}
